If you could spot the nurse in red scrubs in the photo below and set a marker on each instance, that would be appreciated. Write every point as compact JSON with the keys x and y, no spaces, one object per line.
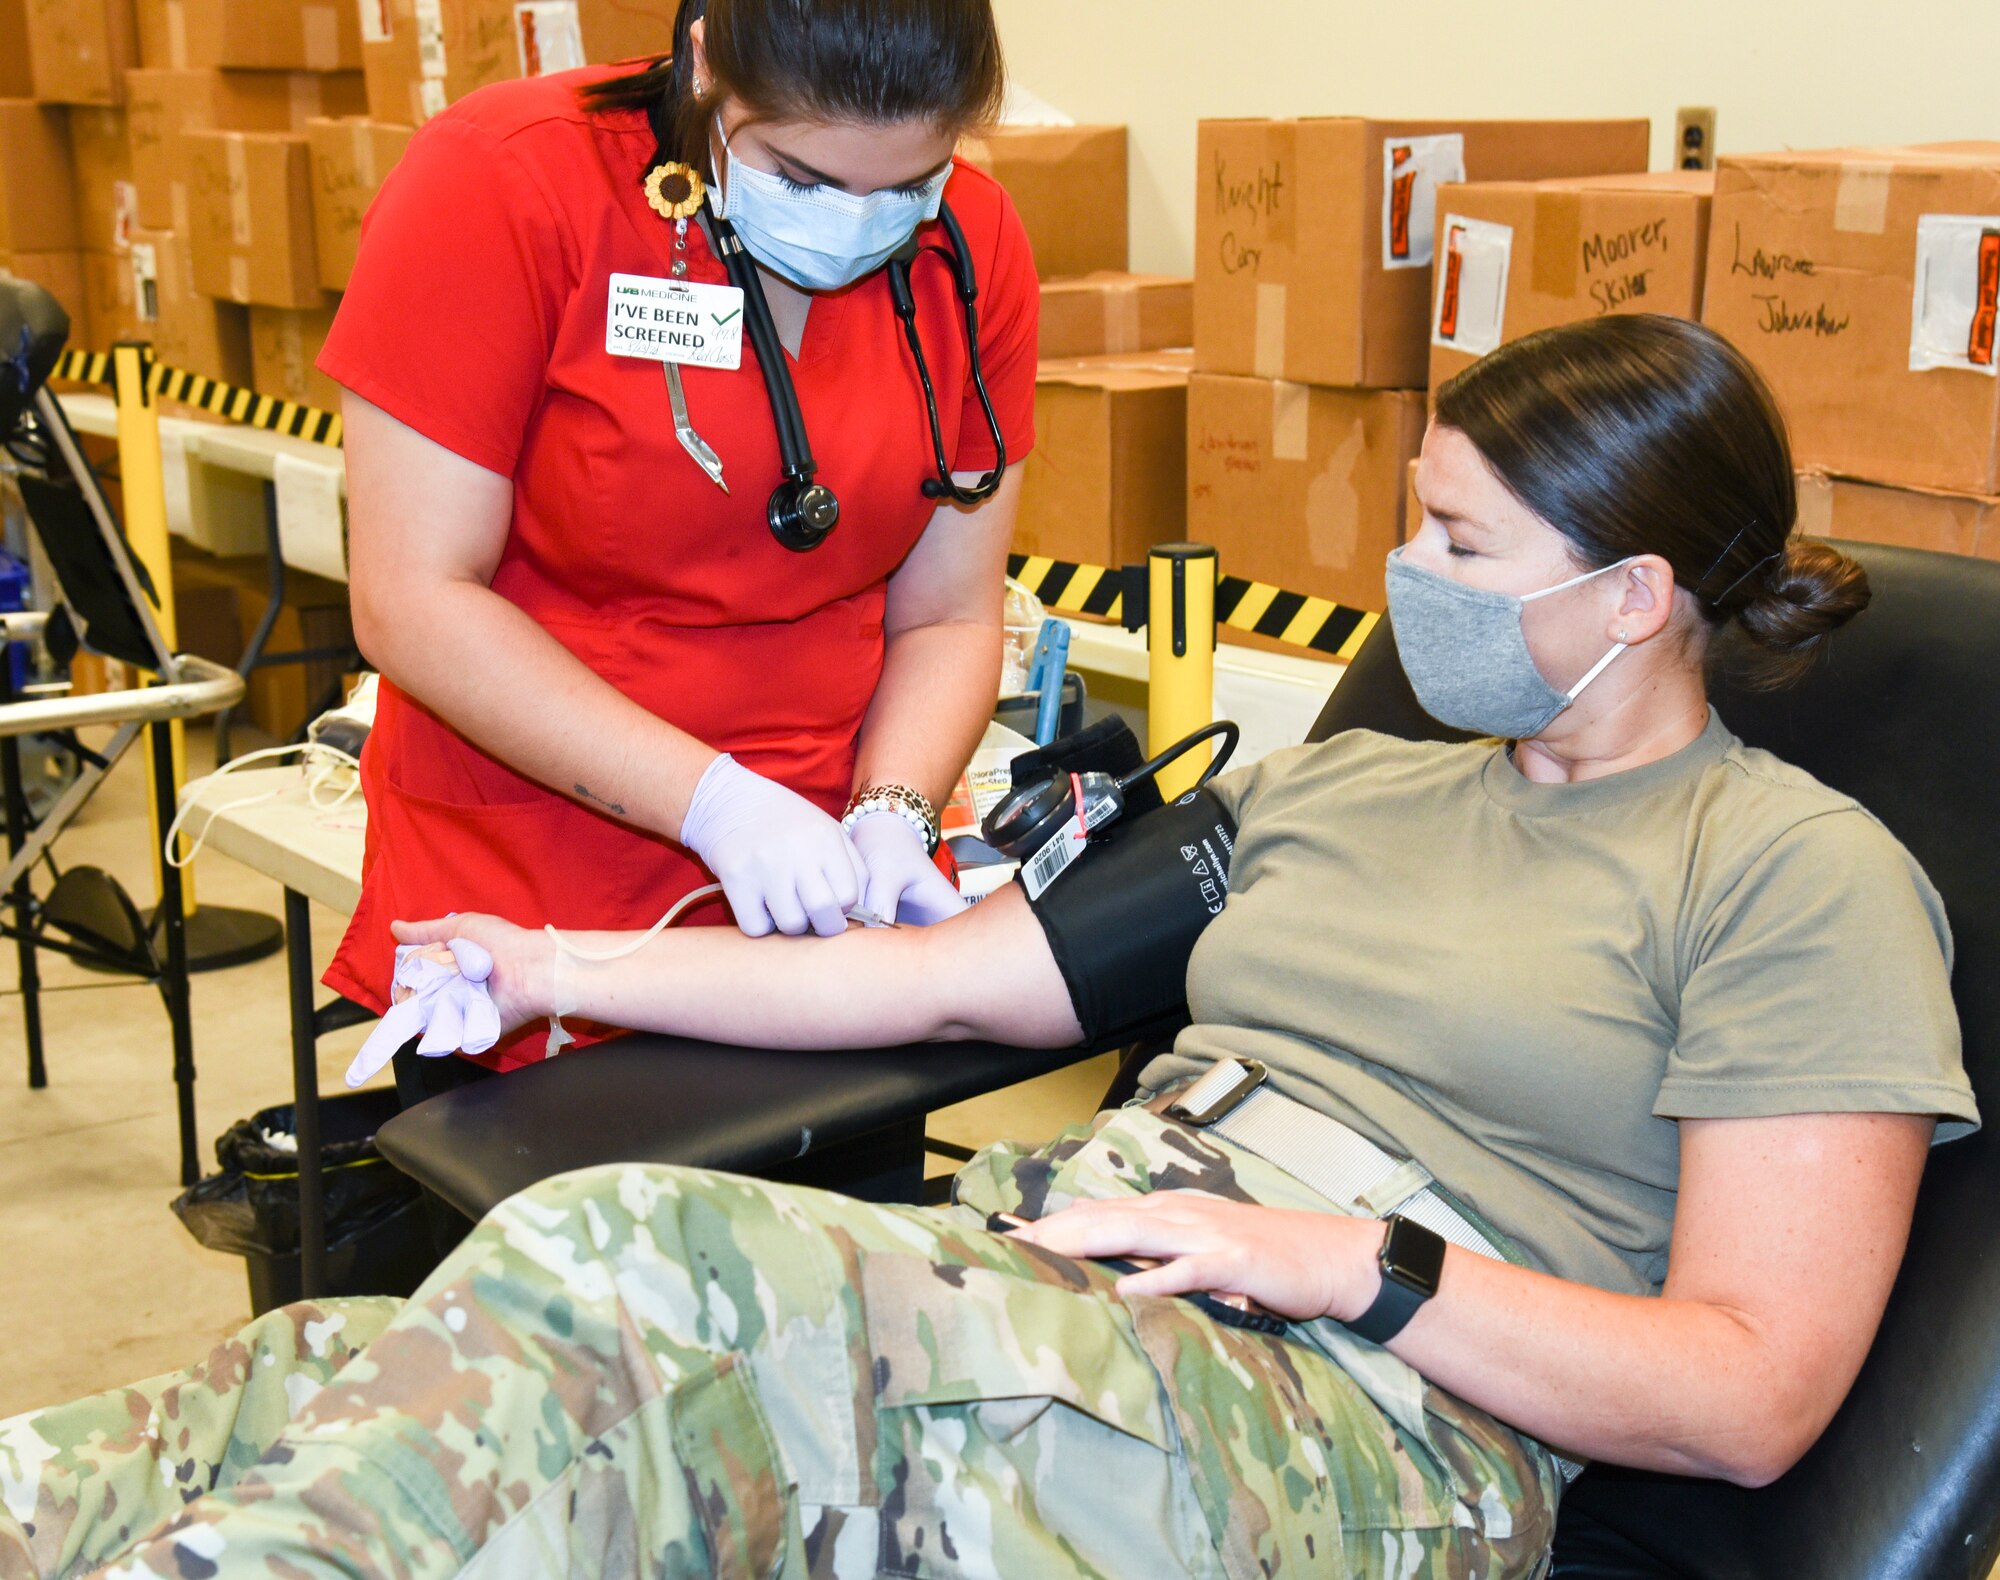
{"x":606,"y":679}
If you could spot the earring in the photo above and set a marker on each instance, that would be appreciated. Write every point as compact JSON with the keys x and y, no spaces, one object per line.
{"x":1621,"y":636}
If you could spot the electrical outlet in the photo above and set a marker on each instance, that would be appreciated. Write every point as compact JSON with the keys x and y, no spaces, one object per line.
{"x":1694,"y":137}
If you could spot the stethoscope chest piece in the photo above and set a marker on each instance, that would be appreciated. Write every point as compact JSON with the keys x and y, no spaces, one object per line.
{"x":802,"y":515}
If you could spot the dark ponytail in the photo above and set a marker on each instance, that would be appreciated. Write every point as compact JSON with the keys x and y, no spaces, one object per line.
{"x":873,"y":61}
{"x":1643,"y":434}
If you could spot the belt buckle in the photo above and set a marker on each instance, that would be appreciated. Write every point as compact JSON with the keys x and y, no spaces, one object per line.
{"x":1219,"y":1093}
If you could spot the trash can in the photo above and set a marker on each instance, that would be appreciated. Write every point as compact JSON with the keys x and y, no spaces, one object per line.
{"x":378,"y":1242}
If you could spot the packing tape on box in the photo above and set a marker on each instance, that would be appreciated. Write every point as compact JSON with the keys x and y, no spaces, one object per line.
{"x":320,"y":25}
{"x":1291,"y":413}
{"x":177,"y":35}
{"x":1815,"y":517}
{"x":228,"y":401}
{"x":1316,"y":624}
{"x":1268,"y":357}
{"x":364,"y":156}
{"x":1861,"y":201}
{"x":239,"y":278}
{"x":307,"y":100}
{"x":1558,"y":243}
{"x":1121,"y":317}
{"x":240,"y":231}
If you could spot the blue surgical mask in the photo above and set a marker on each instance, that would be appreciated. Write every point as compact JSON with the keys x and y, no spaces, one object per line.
{"x":819,"y":237}
{"x":1467,"y":656}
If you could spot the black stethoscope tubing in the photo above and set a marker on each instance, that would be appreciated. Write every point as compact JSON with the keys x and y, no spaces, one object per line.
{"x":803,"y":511}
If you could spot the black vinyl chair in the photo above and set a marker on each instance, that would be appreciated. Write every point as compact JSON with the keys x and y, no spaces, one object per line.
{"x":1905,"y":1484}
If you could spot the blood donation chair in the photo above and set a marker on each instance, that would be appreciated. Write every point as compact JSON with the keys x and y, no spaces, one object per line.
{"x":1904,"y":714}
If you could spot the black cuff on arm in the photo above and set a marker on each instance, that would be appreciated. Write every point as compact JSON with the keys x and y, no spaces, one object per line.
{"x":1123,"y":920}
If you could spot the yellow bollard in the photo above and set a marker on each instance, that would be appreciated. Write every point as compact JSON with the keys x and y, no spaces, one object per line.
{"x":1180,"y":656}
{"x":143,"y":481}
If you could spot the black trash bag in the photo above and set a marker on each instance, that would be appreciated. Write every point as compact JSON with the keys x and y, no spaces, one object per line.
{"x":377,"y":1242}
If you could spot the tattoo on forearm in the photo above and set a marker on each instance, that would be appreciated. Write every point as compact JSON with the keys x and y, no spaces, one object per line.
{"x":610,"y":806}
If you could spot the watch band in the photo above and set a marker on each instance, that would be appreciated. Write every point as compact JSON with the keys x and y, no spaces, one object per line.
{"x":912,"y":806}
{"x":1412,"y":1259}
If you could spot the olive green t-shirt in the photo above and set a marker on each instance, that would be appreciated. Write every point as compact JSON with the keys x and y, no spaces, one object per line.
{"x":1524,"y":986}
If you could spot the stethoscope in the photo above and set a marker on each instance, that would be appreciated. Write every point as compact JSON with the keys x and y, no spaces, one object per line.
{"x":802,"y":510}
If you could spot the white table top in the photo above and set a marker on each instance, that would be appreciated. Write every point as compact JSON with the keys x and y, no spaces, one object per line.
{"x":241,"y":449}
{"x":315,"y":851}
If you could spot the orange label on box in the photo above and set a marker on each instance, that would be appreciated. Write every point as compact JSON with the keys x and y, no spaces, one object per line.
{"x":1399,"y":206}
{"x":1980,"y":349}
{"x":1454,"y":268}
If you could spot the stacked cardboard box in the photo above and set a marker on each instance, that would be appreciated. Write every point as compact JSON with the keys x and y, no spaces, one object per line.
{"x":1069,"y":185}
{"x":1107,"y":478}
{"x":349,"y":160}
{"x":80,"y":50}
{"x":1314,"y":242}
{"x":250,"y":218}
{"x":39,"y":237}
{"x":1865,"y":285}
{"x":422,"y":55}
{"x":17,"y":74}
{"x":257,"y":35}
{"x":1112,"y":314}
{"x":1518,"y":256}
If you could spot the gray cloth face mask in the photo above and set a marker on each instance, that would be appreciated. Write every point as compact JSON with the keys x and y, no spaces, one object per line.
{"x":1467,"y":656}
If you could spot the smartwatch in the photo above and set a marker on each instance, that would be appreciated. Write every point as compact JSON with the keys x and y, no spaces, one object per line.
{"x":1412,"y":1260}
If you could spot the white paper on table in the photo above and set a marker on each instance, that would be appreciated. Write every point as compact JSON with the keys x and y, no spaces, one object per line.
{"x":1955,"y":297}
{"x":312,"y":533}
{"x":1469,"y":310}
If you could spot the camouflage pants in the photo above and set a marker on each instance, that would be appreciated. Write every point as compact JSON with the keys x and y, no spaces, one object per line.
{"x":664,"y":1372}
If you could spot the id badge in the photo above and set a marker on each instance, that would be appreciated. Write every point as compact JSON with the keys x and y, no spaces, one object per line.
{"x":684,"y":321}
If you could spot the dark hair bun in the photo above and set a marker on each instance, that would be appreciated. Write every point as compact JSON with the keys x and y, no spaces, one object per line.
{"x":1810,"y":592}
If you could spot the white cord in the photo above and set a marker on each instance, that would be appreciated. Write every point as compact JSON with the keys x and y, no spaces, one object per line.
{"x":317,"y":757}
{"x":642,"y":940}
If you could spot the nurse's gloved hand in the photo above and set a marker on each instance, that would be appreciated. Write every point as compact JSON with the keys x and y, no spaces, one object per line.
{"x":781,"y":861}
{"x":904,"y":884}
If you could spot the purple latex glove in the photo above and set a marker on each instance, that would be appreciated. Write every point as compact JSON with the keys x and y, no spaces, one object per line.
{"x":781,"y":861}
{"x":451,"y":1008}
{"x":904,"y":884}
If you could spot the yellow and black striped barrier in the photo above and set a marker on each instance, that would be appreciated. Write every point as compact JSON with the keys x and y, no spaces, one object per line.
{"x":228,"y":401}
{"x":1317,"y":624}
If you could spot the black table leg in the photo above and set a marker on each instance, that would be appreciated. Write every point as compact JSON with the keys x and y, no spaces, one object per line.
{"x":178,"y":994}
{"x":23,"y":896}
{"x":305,"y":1097}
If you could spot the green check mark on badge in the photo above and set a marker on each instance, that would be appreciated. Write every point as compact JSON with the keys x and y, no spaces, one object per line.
{"x":723,"y":318}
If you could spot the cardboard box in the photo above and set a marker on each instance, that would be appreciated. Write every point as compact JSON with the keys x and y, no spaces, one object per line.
{"x":106,"y":200}
{"x":80,"y":50}
{"x":1069,"y":184}
{"x":61,"y":275}
{"x":1313,"y":237}
{"x":284,"y":345}
{"x":1519,"y":256}
{"x":161,"y":104}
{"x":1301,"y":486}
{"x":349,"y":160}
{"x":250,"y":219}
{"x":420,"y":58}
{"x":189,"y":331}
{"x":111,"y":302}
{"x":37,"y":179}
{"x":262,"y":35}
{"x":1917,"y":518}
{"x":1862,"y":282}
{"x":1107,"y":478}
{"x":17,"y":76}
{"x":1113,"y":314}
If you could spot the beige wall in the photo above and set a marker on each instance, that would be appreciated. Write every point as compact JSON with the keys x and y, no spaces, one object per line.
{"x":1803,"y":73}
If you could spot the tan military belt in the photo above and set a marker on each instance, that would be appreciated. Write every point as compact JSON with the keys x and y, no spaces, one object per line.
{"x":1234,"y":1101}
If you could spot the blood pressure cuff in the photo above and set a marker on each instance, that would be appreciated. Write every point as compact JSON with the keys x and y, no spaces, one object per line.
{"x":1122,"y":920}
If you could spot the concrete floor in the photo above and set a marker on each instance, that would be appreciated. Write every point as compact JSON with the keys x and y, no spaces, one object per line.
{"x":99,"y":1283}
